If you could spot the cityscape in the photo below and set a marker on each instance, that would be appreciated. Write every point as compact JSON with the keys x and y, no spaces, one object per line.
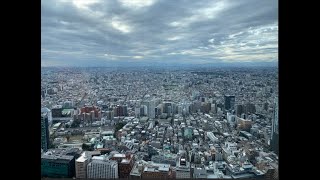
{"x":201,"y":113}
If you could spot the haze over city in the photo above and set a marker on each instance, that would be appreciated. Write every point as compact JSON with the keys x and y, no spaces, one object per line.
{"x":125,"y":32}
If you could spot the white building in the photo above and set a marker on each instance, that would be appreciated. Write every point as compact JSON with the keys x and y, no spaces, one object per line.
{"x":49,"y":114}
{"x":211,"y":136}
{"x":231,"y":146}
{"x":231,"y":118}
{"x":183,"y":169}
{"x":218,"y":124}
{"x":200,"y":173}
{"x":137,"y":112}
{"x":81,"y":164}
{"x":102,"y":167}
{"x":229,"y":149}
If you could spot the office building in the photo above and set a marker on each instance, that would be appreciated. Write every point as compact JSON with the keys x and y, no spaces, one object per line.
{"x":188,"y":133}
{"x":250,"y":108}
{"x":240,"y":110}
{"x":165,"y":158}
{"x":200,"y":172}
{"x":137,"y":111}
{"x":120,"y":111}
{"x":275,"y":129}
{"x":125,"y":110}
{"x":137,"y":169}
{"x":110,"y":115}
{"x":125,"y":164}
{"x":44,"y":132}
{"x":49,"y":114}
{"x":212,"y":137}
{"x":43,"y":94}
{"x":229,"y":102}
{"x":156,"y":170}
{"x":205,"y":107}
{"x":81,"y":165}
{"x":151,"y":109}
{"x":57,"y":166}
{"x":102,"y":167}
{"x":56,"y":112}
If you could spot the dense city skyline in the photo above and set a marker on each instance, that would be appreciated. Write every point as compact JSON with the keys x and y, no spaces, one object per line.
{"x":129,"y":122}
{"x":117,"y":32}
{"x":139,"y":89}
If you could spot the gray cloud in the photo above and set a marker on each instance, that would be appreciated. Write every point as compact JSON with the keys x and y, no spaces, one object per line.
{"x":97,"y":32}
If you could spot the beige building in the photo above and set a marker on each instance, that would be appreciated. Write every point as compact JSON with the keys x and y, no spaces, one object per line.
{"x":244,"y":124}
{"x":81,"y":166}
{"x":82,"y":162}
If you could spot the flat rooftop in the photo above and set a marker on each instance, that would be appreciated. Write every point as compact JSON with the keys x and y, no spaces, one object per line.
{"x":156,"y":167}
{"x":125,"y":161}
{"x":82,"y":158}
{"x":57,"y":157}
{"x":119,"y":155}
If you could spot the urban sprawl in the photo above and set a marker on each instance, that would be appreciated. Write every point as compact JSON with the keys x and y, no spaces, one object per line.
{"x":147,"y":122}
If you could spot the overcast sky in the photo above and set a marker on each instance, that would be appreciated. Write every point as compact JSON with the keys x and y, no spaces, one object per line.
{"x":104,"y":32}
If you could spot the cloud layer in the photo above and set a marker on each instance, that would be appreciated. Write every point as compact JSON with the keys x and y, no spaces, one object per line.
{"x":102,"y":32}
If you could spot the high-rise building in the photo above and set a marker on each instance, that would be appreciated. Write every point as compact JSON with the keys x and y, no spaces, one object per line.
{"x":120,"y":110}
{"x":142,"y":110}
{"x":205,"y":107}
{"x":44,"y":132}
{"x":137,"y":111}
{"x":81,"y":165}
{"x":57,"y":166}
{"x":188,"y":133}
{"x":229,"y":102}
{"x":102,"y":167}
{"x":275,"y":129}
{"x":250,"y":108}
{"x":43,"y":94}
{"x":167,"y":107}
{"x":110,"y":115}
{"x":151,"y":109}
{"x":125,"y":164}
{"x":49,"y":114}
{"x":240,"y":110}
{"x":125,"y":110}
{"x":180,"y":108}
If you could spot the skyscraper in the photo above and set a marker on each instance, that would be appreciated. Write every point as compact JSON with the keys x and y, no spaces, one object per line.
{"x":275,"y":129}
{"x":44,"y":132}
{"x":151,"y":109}
{"x":229,"y":102}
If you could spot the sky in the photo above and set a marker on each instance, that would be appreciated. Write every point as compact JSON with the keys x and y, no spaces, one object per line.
{"x":155,"y":32}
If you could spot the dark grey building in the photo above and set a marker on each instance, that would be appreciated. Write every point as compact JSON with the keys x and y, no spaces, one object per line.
{"x":275,"y":129}
{"x":229,"y":102}
{"x":44,"y":132}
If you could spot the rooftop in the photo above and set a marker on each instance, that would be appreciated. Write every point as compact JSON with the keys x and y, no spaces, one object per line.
{"x":156,"y":167}
{"x":57,"y":157}
{"x":125,"y":161}
{"x":82,"y":158}
{"x":119,"y":155}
